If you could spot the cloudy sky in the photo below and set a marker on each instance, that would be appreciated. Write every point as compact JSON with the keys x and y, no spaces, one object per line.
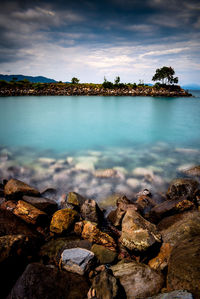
{"x":91,"y":39}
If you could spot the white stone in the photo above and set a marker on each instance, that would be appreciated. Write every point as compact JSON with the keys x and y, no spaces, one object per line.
{"x":133,"y":183}
{"x":140,"y":171}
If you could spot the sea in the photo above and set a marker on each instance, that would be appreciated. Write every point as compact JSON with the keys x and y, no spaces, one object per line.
{"x":99,"y":146}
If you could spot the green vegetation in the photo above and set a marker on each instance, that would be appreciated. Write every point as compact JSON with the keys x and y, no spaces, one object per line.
{"x":165,"y":75}
{"x":75,"y":80}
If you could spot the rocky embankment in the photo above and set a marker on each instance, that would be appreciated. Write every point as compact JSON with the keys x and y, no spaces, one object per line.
{"x":77,"y":250}
{"x":92,"y":90}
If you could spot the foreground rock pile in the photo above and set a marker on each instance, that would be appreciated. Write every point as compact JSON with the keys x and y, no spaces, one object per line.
{"x":140,"y":249}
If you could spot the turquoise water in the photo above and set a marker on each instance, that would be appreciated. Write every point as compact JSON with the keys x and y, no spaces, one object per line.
{"x":85,"y":134}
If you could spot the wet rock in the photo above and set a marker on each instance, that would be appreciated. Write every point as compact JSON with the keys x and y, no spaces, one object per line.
{"x":180,"y":294}
{"x":46,"y":161}
{"x":104,"y":286}
{"x":75,"y":199}
{"x":170,"y":207}
{"x":39,"y":281}
{"x":76,"y":260}
{"x":193,"y":171}
{"x":183,"y":268}
{"x":91,"y":212}
{"x":133,"y":183}
{"x":138,"y":233}
{"x":50,"y":252}
{"x":15,"y":189}
{"x":63,"y":220}
{"x":142,"y":172}
{"x":26,"y":212}
{"x":138,"y":280}
{"x":90,"y":232}
{"x":182,"y":188}
{"x":103,"y":254}
{"x":179,"y":227}
{"x":47,"y":205}
{"x":145,"y":203}
{"x":161,"y":260}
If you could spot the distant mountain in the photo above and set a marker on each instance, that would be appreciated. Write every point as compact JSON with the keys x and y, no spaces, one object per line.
{"x":192,"y":86}
{"x":32,"y":79}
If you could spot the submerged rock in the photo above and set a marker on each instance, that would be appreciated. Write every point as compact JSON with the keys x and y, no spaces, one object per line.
{"x":138,"y":233}
{"x":63,"y":220}
{"x":138,"y":280}
{"x":182,"y":188}
{"x":76,"y":260}
{"x":15,"y":188}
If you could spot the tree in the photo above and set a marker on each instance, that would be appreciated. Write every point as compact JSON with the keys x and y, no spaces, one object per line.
{"x":117,"y":80}
{"x":75,"y":80}
{"x":166,"y":75}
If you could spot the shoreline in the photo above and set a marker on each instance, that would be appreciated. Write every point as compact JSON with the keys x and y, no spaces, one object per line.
{"x":67,"y":89}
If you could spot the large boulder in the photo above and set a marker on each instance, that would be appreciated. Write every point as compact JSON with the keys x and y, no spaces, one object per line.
{"x":137,"y":232}
{"x":76,"y":260}
{"x":183,"y":268}
{"x":160,"y":262}
{"x":193,"y":171}
{"x":182,"y":188}
{"x":138,"y":280}
{"x":50,"y":252}
{"x":103,"y":254}
{"x":16,"y":189}
{"x":63,"y":220}
{"x":47,"y":282}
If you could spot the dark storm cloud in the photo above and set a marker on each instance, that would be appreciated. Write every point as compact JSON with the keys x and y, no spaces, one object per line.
{"x":27,"y":28}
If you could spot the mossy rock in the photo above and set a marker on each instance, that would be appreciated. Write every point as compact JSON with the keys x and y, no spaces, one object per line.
{"x":63,"y":220}
{"x":103,"y":254}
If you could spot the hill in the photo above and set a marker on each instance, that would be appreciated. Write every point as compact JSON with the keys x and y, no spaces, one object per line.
{"x":37,"y":79}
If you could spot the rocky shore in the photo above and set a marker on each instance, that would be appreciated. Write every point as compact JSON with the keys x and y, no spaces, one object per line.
{"x":75,"y":249}
{"x":63,"y":89}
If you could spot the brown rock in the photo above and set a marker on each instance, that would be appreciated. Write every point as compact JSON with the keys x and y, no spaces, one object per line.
{"x":138,"y":280}
{"x":39,"y":281}
{"x":16,"y":189}
{"x":103,"y":254}
{"x":182,"y":188}
{"x":75,"y":199}
{"x":145,"y":204}
{"x":63,"y":220}
{"x":44,"y":204}
{"x":161,"y":260}
{"x":137,"y":232}
{"x":91,"y":212}
{"x":91,"y":233}
{"x":183,"y":269}
{"x":193,"y":171}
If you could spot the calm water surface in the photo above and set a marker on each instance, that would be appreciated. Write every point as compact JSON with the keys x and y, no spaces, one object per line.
{"x":64,"y":141}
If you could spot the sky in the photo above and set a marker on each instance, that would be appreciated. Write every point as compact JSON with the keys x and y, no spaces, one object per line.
{"x":93,"y":39}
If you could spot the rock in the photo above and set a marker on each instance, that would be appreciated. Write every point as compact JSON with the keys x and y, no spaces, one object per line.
{"x":12,"y":225}
{"x":170,"y":207}
{"x":39,"y":281}
{"x":75,"y":199}
{"x":90,"y":232}
{"x":106,"y":173}
{"x":138,"y":233}
{"x":142,"y":172}
{"x":145,"y":204}
{"x":179,"y":227}
{"x":63,"y":220}
{"x":16,"y":189}
{"x":91,"y":212}
{"x":193,"y":171}
{"x":51,"y":251}
{"x":138,"y":280}
{"x":103,"y":254}
{"x":182,"y":188}
{"x":77,"y":260}
{"x":133,"y":183}
{"x":183,"y":268}
{"x":46,"y":161}
{"x":104,"y":286}
{"x":26,"y":212}
{"x":180,"y":294}
{"x":47,"y":205}
{"x":161,"y":260}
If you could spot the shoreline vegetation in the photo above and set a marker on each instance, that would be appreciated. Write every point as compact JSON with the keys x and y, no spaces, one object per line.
{"x":24,"y":88}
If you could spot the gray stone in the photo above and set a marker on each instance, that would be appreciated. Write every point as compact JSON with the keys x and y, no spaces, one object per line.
{"x":180,"y":294}
{"x":77,"y":260}
{"x":138,"y":280}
